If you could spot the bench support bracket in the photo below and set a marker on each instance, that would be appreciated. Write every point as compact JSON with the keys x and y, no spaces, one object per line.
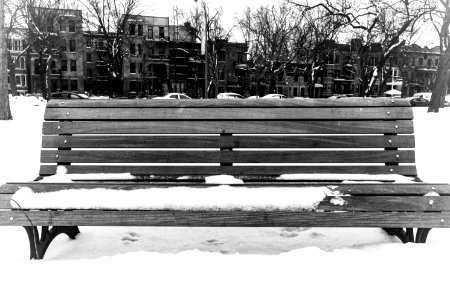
{"x":407,"y":236}
{"x":39,"y":243}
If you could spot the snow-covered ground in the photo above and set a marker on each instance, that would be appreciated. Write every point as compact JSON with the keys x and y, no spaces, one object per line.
{"x":221,"y":263}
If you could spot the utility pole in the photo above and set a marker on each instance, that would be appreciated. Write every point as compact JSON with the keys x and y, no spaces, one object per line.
{"x":5,"y":112}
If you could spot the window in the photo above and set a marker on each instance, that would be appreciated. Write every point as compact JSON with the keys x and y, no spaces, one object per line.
{"x":221,"y":75}
{"x":140,"y":30}
{"x":62,"y":25}
{"x":73,"y":85}
{"x":72,"y":45}
{"x":21,"y":80}
{"x":280,"y":78}
{"x":16,"y":45}
{"x":65,"y":84}
{"x":413,"y":61}
{"x":221,"y":55}
{"x":162,"y":51}
{"x":63,"y":65}
{"x":63,"y":45}
{"x":132,"y":29}
{"x":150,"y":32}
{"x":37,"y":66}
{"x":132,"y":48}
{"x":22,"y":63}
{"x":336,"y":59}
{"x":139,"y":49}
{"x":429,"y":62}
{"x":436,"y":62}
{"x":53,"y":64}
{"x":71,"y":25}
{"x":133,"y":68}
{"x":295,"y":77}
{"x":89,"y":42}
{"x":173,"y":96}
{"x":73,"y":65}
{"x":89,"y":57}
{"x":161,"y":32}
{"x":88,"y":72}
{"x":421,"y":61}
{"x":295,"y":92}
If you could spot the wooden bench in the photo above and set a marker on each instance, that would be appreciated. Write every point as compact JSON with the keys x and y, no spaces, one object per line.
{"x":177,"y":143}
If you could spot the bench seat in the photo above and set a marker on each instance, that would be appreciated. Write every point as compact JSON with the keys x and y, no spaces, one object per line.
{"x":165,"y":144}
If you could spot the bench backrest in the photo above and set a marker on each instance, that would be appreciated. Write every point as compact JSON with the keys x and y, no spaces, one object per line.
{"x":236,"y":137}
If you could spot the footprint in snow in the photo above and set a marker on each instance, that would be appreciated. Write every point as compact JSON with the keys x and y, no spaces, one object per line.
{"x":214,"y":242}
{"x":290,"y":232}
{"x":130,"y":237}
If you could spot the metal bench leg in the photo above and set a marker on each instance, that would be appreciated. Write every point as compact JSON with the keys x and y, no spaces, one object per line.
{"x":408,"y":235}
{"x":422,"y":234}
{"x":403,"y":235}
{"x":39,"y":243}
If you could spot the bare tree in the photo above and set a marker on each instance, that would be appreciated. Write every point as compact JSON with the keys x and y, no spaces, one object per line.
{"x":42,"y":19}
{"x":275,"y":35}
{"x":374,"y":21}
{"x":205,"y":23}
{"x":109,"y":19}
{"x":14,"y":25}
{"x":5,"y":112}
{"x":440,"y":18}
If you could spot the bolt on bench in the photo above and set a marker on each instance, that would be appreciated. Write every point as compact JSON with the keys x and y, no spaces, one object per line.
{"x":166,"y":144}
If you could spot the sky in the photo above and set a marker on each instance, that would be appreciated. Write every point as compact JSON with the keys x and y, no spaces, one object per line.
{"x":232,"y":8}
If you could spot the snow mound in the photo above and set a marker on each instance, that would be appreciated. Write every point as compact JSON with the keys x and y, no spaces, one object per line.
{"x":222,"y":197}
{"x":348,"y":177}
{"x":223,"y":179}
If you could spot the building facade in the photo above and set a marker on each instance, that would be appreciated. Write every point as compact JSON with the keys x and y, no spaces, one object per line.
{"x":161,"y":58}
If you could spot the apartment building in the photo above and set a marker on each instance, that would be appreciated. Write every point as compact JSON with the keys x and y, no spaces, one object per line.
{"x":146,"y":67}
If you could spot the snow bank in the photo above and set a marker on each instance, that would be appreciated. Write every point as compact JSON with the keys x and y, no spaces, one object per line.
{"x":348,"y":177}
{"x":222,"y":197}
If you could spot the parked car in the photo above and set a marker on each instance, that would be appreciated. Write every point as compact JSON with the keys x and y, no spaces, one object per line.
{"x":253,"y":97}
{"x":425,"y":95}
{"x":229,"y":96}
{"x":274,"y":96}
{"x":418,"y":101}
{"x":172,"y":96}
{"x":68,"y":95}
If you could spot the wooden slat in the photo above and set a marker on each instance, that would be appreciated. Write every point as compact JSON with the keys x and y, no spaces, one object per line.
{"x":226,"y":219}
{"x":389,"y":203}
{"x":224,"y":113}
{"x":408,"y":170}
{"x":133,"y":141}
{"x":118,"y":156}
{"x":236,"y":127}
{"x":355,"y":203}
{"x":344,"y":102}
{"x":360,"y":189}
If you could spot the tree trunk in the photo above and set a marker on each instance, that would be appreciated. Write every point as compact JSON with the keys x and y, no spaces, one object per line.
{"x":441,"y":83}
{"x":12,"y":74}
{"x":5,"y":111}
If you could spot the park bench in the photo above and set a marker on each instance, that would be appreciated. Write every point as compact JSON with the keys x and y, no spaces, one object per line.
{"x":165,"y":144}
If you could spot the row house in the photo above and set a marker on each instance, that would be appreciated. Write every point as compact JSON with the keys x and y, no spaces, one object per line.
{"x":146,"y":67}
{"x":16,"y":46}
{"x":67,"y":61}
